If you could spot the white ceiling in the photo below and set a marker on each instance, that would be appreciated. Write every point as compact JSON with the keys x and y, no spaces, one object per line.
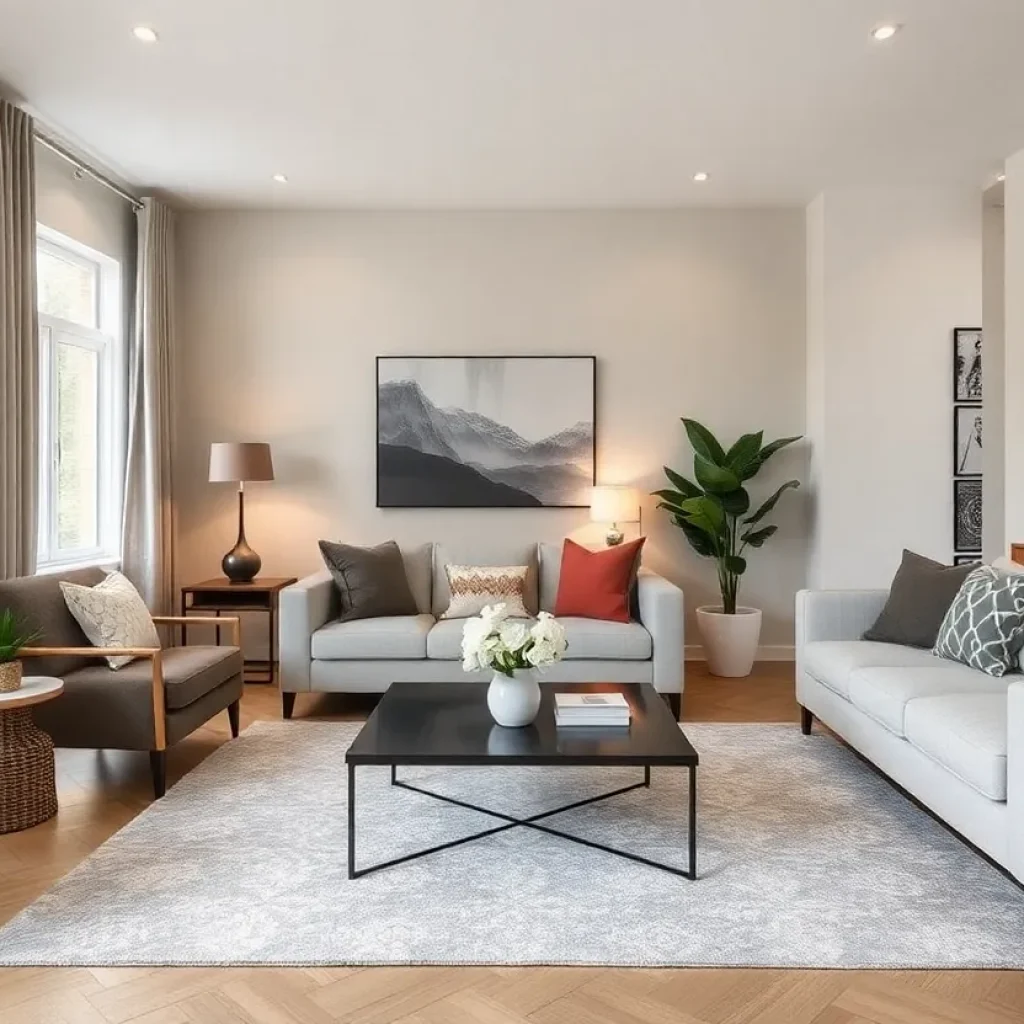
{"x":504,"y":103}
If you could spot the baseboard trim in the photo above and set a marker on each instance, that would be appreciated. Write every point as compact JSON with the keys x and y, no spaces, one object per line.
{"x":766,"y":652}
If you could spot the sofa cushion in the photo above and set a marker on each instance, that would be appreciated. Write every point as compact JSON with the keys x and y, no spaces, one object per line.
{"x":832,"y":661}
{"x":189,"y":672}
{"x":419,"y":568}
{"x":965,"y":733}
{"x":474,"y":587}
{"x":387,"y":637}
{"x":371,"y":581}
{"x":597,"y":584}
{"x":38,"y":602}
{"x":494,"y":553}
{"x":549,"y":571}
{"x":588,"y":639}
{"x":884,"y":693}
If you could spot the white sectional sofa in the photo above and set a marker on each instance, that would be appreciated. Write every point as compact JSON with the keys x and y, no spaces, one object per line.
{"x":950,"y":735}
{"x":319,"y":653}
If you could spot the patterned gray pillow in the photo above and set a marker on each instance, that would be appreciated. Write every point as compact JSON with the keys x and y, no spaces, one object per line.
{"x":984,"y":627}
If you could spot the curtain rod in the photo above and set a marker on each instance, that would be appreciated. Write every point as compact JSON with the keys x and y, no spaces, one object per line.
{"x":78,"y":164}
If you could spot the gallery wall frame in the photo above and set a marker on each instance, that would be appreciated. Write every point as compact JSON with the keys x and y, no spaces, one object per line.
{"x":967,"y":515}
{"x":967,"y":440}
{"x":968,"y":378}
{"x":440,"y":444}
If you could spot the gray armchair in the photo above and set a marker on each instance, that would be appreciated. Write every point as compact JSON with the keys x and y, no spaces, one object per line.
{"x":149,"y":704}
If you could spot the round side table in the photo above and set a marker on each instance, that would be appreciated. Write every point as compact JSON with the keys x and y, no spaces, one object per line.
{"x":28,"y":793}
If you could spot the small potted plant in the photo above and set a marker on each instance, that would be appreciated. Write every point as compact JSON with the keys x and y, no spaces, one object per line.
{"x":13,"y":636}
{"x":514,"y":651}
{"x":714,"y":515}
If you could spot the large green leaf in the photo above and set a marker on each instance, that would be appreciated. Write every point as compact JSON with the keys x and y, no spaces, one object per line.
{"x":735,"y":502}
{"x":698,"y":539}
{"x":735,"y":564}
{"x":743,"y":452}
{"x":707,"y":508}
{"x":687,"y":487}
{"x":704,"y":442}
{"x":716,"y":479}
{"x":766,"y":453}
{"x":755,"y":538}
{"x":770,"y":503}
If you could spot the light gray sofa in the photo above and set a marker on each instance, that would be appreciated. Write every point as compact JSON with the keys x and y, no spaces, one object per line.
{"x":952,"y":736}
{"x":319,"y":653}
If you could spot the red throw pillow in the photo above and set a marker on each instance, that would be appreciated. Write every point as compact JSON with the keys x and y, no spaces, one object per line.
{"x":596,"y":584}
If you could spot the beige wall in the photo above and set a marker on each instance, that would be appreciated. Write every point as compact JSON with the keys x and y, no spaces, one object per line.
{"x":696,"y":313}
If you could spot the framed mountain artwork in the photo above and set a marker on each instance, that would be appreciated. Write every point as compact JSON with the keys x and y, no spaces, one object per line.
{"x":485,"y":431}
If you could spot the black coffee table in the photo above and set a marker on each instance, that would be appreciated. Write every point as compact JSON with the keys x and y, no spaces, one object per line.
{"x":449,"y":724}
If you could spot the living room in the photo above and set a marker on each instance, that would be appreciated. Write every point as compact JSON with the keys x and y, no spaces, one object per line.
{"x":326,"y":330}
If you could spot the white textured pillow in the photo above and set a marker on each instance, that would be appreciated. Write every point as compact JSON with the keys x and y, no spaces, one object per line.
{"x":112,"y":614}
{"x":476,"y":586}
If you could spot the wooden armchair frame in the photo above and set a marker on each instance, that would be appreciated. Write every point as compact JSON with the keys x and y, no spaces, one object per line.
{"x":155,"y":654}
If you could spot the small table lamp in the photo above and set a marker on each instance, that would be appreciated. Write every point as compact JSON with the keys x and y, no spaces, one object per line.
{"x":240,"y":461}
{"x":614,"y":505}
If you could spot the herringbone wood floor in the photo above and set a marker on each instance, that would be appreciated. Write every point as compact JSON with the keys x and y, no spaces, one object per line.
{"x":100,"y":792}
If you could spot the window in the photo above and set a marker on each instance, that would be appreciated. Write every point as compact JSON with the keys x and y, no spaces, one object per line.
{"x":82,"y":407}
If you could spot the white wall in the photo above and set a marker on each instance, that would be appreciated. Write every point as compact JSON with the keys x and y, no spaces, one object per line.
{"x":894,"y":270}
{"x":696,"y":312}
{"x":994,"y":539}
{"x":1014,"y":347}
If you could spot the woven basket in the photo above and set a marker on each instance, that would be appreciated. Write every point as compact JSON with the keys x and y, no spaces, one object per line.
{"x":10,"y":676}
{"x":28,"y":795}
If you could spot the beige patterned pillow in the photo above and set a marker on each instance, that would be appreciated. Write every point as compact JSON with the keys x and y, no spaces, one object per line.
{"x":476,"y":586}
{"x":112,"y":614}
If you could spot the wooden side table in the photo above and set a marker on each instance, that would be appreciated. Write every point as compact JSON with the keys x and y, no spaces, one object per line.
{"x":221,"y":595}
{"x":28,"y":790}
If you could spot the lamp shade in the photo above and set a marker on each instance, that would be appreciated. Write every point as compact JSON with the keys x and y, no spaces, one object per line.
{"x":240,"y":460}
{"x":614,"y":505}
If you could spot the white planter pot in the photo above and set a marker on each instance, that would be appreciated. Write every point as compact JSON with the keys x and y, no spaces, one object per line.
{"x":730,"y":641}
{"x":514,"y":702}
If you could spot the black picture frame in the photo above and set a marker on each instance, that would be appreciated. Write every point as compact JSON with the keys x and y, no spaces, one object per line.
{"x":966,"y":560}
{"x":962,"y":457}
{"x":968,"y":381}
{"x":387,"y":501}
{"x":967,"y":515}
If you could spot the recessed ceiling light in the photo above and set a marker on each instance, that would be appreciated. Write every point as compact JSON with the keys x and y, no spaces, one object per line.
{"x":145,"y":34}
{"x":281,"y":179}
{"x":884,"y":32}
{"x":701,"y":176}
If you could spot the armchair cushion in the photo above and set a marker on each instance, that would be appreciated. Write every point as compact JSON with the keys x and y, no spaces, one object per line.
{"x":189,"y":673}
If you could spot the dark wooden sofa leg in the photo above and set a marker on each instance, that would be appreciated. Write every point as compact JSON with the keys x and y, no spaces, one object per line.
{"x":233,"y":718}
{"x":806,"y":720}
{"x":287,"y":704}
{"x":675,"y":703}
{"x":158,"y":768}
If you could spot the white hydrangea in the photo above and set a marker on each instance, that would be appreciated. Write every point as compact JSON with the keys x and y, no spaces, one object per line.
{"x":494,"y":641}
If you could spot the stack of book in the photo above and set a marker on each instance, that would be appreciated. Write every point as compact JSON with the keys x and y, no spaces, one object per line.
{"x":593,"y":709}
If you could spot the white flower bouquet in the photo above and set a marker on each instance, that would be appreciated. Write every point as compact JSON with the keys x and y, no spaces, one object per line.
{"x":493,"y":641}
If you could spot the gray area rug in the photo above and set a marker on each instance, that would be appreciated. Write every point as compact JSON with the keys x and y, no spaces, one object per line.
{"x":807,"y":859}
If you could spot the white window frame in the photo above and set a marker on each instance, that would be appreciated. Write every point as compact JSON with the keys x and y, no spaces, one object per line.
{"x":107,"y":341}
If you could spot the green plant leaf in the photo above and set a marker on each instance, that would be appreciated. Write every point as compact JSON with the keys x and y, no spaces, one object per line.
{"x":770,"y":503}
{"x":672,"y":497}
{"x":707,"y":508}
{"x":686,"y":487}
{"x":766,"y":453}
{"x":743,"y":452}
{"x":755,"y":538}
{"x":735,"y":564}
{"x":704,"y":442}
{"x":716,"y":479}
{"x":698,"y":539}
{"x":735,"y":503}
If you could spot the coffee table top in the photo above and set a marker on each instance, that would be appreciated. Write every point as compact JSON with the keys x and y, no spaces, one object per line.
{"x":449,"y":724}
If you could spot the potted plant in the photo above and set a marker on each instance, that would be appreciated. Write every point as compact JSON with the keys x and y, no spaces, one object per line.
{"x":514,"y":651}
{"x":13,"y":637}
{"x":714,"y":515}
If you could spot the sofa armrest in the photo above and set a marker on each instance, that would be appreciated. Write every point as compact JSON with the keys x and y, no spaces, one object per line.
{"x":304,"y":607}
{"x":1015,"y":776}
{"x":836,"y":614}
{"x":662,"y":613}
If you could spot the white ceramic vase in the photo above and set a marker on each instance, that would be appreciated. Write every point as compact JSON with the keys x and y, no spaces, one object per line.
{"x":514,"y":702}
{"x":730,"y":641}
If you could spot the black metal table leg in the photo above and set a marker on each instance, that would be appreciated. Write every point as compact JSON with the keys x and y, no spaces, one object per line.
{"x":692,"y":874}
{"x":394,"y":774}
{"x":647,"y":776}
{"x":351,"y":821}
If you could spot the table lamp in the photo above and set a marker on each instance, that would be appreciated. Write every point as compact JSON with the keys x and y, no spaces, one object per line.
{"x":238,"y":462}
{"x":614,"y":504}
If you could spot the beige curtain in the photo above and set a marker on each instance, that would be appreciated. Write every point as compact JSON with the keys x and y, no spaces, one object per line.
{"x":19,"y":346}
{"x":147,"y":542}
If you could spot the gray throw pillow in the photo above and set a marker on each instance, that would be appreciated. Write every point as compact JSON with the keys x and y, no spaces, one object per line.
{"x":370,"y":581}
{"x":984,"y":627}
{"x":919,"y":597}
